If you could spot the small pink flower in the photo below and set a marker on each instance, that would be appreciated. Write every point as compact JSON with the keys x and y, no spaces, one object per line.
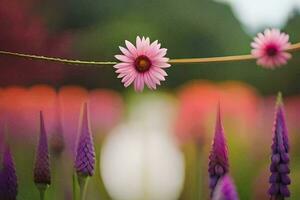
{"x":142,"y":64}
{"x":270,"y":48}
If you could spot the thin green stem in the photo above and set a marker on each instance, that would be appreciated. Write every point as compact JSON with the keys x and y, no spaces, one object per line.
{"x":83,"y":182}
{"x":74,"y":186}
{"x":42,"y":189}
{"x":57,"y":60}
{"x":293,"y":48}
{"x":42,"y":194}
{"x":213,"y":59}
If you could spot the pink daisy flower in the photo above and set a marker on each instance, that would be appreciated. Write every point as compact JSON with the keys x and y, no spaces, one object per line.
{"x":142,"y":64}
{"x":270,"y":48}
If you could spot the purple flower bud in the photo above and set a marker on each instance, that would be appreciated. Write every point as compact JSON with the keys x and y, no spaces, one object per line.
{"x":8,"y":178}
{"x":218,"y":159}
{"x":225,"y":190}
{"x":85,"y":157}
{"x":42,"y":164}
{"x":279,"y":167}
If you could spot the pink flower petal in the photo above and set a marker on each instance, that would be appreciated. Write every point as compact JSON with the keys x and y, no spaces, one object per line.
{"x":162,"y":65}
{"x":124,"y":70}
{"x":139,"y":83}
{"x":121,"y":75}
{"x":131,"y":48}
{"x":129,"y":77}
{"x":126,"y":52}
{"x":138,"y":44}
{"x":148,"y":81}
{"x":130,"y":80}
{"x":124,"y":58}
{"x":154,"y":79}
{"x":160,"y":53}
{"x":120,"y":65}
{"x":158,"y":75}
{"x":161,"y":60}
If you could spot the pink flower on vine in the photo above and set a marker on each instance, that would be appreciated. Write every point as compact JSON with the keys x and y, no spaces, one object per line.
{"x":269,"y":48}
{"x":142,"y":64}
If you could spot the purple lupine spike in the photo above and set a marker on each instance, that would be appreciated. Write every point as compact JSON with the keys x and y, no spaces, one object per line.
{"x":225,"y":190}
{"x":42,"y":174}
{"x":8,"y":177}
{"x":279,"y":167}
{"x":85,"y":157}
{"x":57,"y":141}
{"x":218,"y":159}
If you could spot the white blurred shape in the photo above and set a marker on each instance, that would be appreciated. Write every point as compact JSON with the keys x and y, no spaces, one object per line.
{"x":142,"y":164}
{"x":121,"y":162}
{"x":154,"y":111}
{"x":258,"y":14}
{"x":165,"y":173}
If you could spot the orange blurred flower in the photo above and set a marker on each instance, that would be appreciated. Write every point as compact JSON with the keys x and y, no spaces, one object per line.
{"x":19,"y":110}
{"x":198,"y":102}
{"x":13,"y":107}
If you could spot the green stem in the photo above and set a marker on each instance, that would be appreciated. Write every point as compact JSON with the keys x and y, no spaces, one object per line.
{"x":42,"y":189}
{"x":74,"y":186}
{"x":83,"y":182}
{"x":294,"y":47}
{"x":42,"y":194}
{"x":58,"y":60}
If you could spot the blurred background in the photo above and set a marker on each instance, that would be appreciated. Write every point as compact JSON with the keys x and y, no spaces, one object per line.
{"x":152,"y":145}
{"x":94,"y":29}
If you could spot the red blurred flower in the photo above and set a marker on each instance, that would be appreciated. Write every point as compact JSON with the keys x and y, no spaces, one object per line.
{"x":106,"y":109}
{"x":40,"y":98}
{"x":13,"y":107}
{"x":239,"y":102}
{"x":197,"y":103}
{"x":20,"y":109}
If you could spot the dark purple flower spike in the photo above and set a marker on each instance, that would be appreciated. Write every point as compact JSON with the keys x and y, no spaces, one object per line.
{"x":279,"y":167}
{"x":85,"y":157}
{"x":218,"y":159}
{"x":8,"y":178}
{"x":42,"y":176}
{"x":225,"y":190}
